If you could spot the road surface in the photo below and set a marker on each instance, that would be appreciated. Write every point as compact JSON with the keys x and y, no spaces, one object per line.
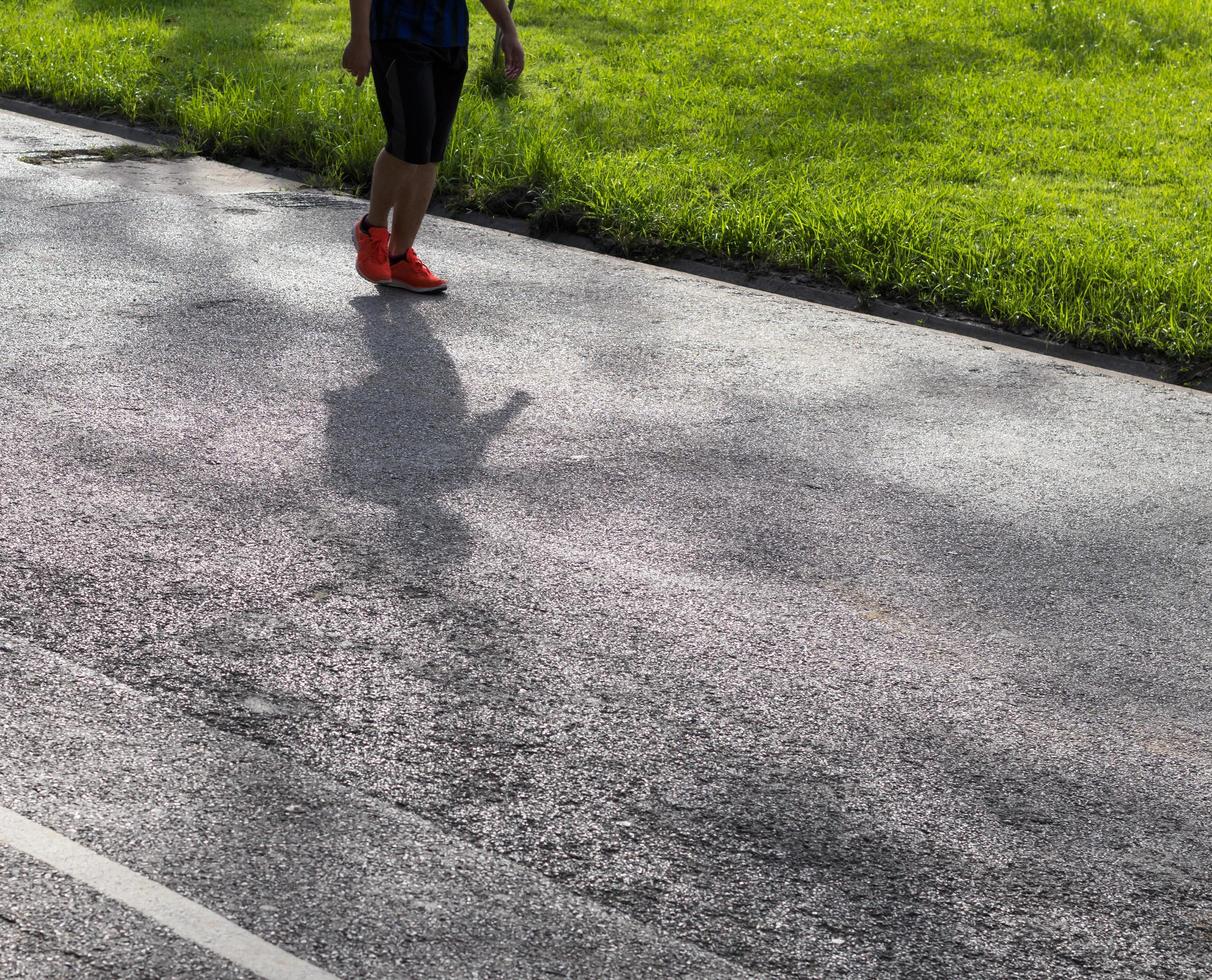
{"x":591,"y":620}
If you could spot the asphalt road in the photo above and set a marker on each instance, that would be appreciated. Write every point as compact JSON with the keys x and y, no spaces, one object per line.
{"x":591,"y":620}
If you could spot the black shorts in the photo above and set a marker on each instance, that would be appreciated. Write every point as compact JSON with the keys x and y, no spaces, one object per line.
{"x":418,"y":89}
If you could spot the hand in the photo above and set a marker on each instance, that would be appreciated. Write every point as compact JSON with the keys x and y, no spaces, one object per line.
{"x":356,"y":59}
{"x":515,"y":58}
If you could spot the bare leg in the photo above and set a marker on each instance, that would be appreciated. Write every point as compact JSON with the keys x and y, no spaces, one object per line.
{"x":389,"y":174}
{"x":411,"y":202}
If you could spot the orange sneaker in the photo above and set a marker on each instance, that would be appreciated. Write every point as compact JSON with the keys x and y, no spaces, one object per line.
{"x":372,"y":264}
{"x":412,"y":274}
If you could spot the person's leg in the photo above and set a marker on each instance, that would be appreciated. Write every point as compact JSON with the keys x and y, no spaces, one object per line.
{"x":390,"y":175}
{"x":403,"y":75}
{"x":449,"y":67}
{"x":405,"y":172}
{"x":413,"y":193}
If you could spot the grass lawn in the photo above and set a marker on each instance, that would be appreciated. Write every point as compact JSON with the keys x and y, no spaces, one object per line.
{"x":1045,"y":163}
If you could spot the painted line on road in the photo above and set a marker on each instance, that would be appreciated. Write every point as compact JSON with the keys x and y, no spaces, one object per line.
{"x":186,"y":918}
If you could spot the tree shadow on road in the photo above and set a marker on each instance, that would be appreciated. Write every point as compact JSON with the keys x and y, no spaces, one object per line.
{"x":405,"y":440}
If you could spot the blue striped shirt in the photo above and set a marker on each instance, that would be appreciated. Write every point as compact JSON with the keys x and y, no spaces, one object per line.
{"x":438,"y":23}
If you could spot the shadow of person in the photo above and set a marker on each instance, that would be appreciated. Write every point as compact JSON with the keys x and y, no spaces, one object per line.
{"x":403,"y":437}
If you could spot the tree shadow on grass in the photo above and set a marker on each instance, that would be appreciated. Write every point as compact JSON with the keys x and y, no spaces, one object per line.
{"x":197,"y":27}
{"x":236,"y":78}
{"x":893,"y":93}
{"x":1071,"y":38}
{"x":597,"y":30}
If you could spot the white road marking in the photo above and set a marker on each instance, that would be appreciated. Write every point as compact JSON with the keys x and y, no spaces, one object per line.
{"x":187,"y":919}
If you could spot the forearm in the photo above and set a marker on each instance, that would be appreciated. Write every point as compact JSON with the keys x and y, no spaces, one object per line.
{"x":359,"y":20}
{"x":498,"y":10}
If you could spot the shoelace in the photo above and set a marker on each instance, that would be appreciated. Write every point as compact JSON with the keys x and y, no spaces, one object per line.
{"x":415,"y":260}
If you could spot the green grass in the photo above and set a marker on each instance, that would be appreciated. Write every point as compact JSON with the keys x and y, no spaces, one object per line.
{"x":1040,"y":163}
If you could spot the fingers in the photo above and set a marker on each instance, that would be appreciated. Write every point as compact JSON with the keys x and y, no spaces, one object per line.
{"x":356,"y":63}
{"x":514,"y":61}
{"x":514,"y":57}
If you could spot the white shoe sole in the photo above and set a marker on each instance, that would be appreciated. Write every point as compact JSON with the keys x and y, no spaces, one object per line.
{"x":414,"y":289}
